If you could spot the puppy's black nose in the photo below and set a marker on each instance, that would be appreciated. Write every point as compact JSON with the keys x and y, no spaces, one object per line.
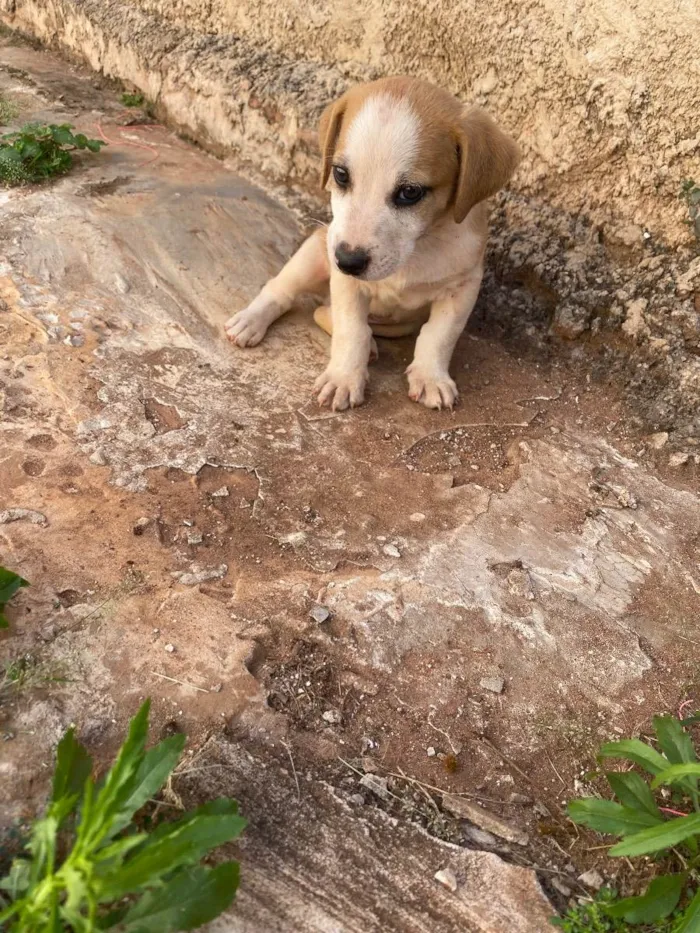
{"x":351,"y":261}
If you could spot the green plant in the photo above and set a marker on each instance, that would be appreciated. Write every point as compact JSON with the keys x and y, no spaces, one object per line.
{"x":690,"y":193}
{"x":9,"y":584}
{"x":593,"y":917}
{"x":88,"y":868}
{"x":644,"y":824}
{"x":132,"y":100}
{"x":39,"y":151}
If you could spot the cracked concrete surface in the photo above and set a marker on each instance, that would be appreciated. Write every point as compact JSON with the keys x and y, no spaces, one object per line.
{"x":195,"y":498}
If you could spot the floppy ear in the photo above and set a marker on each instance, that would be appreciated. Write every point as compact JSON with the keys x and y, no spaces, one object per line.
{"x":487,"y":159}
{"x":328,"y":131}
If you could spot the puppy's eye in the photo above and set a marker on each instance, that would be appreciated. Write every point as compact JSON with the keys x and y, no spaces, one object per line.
{"x":409,"y":194}
{"x":341,"y":176}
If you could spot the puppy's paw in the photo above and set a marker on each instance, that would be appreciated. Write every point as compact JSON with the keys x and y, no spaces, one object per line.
{"x":431,"y":387}
{"x":248,"y":327}
{"x":340,"y":388}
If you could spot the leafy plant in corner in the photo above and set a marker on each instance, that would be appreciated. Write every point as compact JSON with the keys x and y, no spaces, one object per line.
{"x":592,"y":917}
{"x":9,"y":584}
{"x":133,"y":100}
{"x":88,"y":868}
{"x":647,"y":828}
{"x":40,"y":151}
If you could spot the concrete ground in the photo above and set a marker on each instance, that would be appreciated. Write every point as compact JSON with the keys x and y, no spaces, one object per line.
{"x":353,"y":616}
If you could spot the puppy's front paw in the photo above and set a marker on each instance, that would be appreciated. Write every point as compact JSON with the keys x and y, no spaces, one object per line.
{"x":432,"y":388}
{"x":248,"y":327}
{"x":340,"y":388}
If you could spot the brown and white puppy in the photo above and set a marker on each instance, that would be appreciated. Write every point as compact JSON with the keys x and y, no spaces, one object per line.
{"x":409,"y":169}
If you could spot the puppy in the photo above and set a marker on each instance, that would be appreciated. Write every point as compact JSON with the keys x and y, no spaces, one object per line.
{"x":409,"y":170}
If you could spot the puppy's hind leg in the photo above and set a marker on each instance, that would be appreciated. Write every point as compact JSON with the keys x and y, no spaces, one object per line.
{"x":306,"y":271}
{"x":323,"y":318}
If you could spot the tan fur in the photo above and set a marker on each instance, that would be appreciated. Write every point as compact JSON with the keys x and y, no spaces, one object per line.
{"x":430,"y":280}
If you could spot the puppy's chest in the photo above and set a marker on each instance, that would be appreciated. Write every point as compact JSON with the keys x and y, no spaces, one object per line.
{"x":394,"y":301}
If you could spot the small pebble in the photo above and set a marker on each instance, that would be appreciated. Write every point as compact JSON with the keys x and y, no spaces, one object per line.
{"x":678,"y":460}
{"x":391,"y":550}
{"x":431,"y":752}
{"x":592,"y":879}
{"x":561,"y":887}
{"x":221,"y":492}
{"x":416,"y":517}
{"x":447,"y":878}
{"x":194,"y":538}
{"x":332,"y":716}
{"x":376,"y":784}
{"x":140,"y":526}
{"x":494,"y":684}
{"x":659,"y":440}
{"x":170,"y":648}
{"x":320,"y":614}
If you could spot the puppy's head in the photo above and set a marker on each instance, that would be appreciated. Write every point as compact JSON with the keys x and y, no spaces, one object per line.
{"x":398,"y":154}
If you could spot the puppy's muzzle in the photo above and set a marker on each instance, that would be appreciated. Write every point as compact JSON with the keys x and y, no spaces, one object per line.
{"x":351,"y":261}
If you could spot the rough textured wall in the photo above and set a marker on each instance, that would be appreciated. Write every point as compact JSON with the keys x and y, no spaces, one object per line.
{"x":590,"y":243}
{"x":604,"y":95}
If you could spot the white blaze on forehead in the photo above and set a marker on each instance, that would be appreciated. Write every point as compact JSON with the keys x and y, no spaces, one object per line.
{"x":383,"y":138}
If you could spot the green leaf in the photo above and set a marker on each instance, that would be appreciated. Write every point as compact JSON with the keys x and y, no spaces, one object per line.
{"x":73,"y":767}
{"x":42,"y":845}
{"x":115,"y":851}
{"x":157,"y":764}
{"x":17,"y":882}
{"x":678,"y":747}
{"x":674,"y":741}
{"x":633,"y":791}
{"x":676,"y":773}
{"x":659,"y":901}
{"x":606,"y":816}
{"x":691,"y":917}
{"x":10,"y":911}
{"x":638,"y":752}
{"x":118,"y":785}
{"x":180,"y":844}
{"x":62,"y":135}
{"x":10,"y":154}
{"x":9,"y":582}
{"x":94,"y":145}
{"x":669,"y":834}
{"x":190,"y":899}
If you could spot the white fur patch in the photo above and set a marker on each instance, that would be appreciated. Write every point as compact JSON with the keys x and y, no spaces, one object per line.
{"x":383,"y":137}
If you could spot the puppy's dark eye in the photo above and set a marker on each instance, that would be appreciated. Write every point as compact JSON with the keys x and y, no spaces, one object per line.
{"x":341,"y":176}
{"x":409,"y":194}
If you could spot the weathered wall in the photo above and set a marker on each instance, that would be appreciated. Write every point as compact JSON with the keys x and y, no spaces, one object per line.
{"x":591,"y":242}
{"x":604,"y":95}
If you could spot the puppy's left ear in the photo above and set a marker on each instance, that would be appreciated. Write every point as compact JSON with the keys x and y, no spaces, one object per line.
{"x":487,"y":159}
{"x":328,"y":132}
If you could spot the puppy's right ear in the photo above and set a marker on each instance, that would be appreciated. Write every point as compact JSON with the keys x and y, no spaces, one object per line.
{"x":328,"y":132}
